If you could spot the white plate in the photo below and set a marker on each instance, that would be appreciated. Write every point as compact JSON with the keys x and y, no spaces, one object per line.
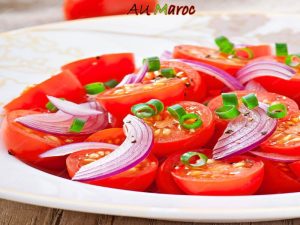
{"x":30,"y":55}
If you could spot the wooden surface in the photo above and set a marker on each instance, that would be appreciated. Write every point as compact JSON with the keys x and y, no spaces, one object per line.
{"x":21,"y":13}
{"x":12,"y":213}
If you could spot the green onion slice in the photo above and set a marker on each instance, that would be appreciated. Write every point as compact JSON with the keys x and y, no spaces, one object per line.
{"x":230,"y":99}
{"x":277,"y":111}
{"x":250,"y":101}
{"x":186,"y":159}
{"x":157,"y":105}
{"x":227,"y":112}
{"x":77,"y":125}
{"x":177,"y":111}
{"x":224,"y":45}
{"x":52,"y":107}
{"x":248,"y":51}
{"x":168,"y":72}
{"x":142,"y":111}
{"x":281,"y":49}
{"x":195,"y":118}
{"x":292,"y":60}
{"x":94,"y":88}
{"x":111,"y":83}
{"x":153,"y":63}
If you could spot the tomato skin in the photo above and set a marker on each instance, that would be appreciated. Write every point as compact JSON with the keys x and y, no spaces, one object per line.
{"x":134,"y":181}
{"x":295,"y":168}
{"x":199,"y":138}
{"x":63,"y":85}
{"x":112,"y":136}
{"x":278,"y":180}
{"x":240,"y":185}
{"x":27,"y":144}
{"x":102,"y":68}
{"x":120,"y":105}
{"x":77,"y":9}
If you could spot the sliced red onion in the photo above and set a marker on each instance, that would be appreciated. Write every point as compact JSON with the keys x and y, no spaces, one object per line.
{"x":76,"y":147}
{"x":166,"y":55}
{"x":255,"y":86}
{"x":263,"y":69}
{"x":134,"y":78}
{"x":136,"y":147}
{"x":276,"y":157}
{"x":230,"y":81}
{"x":59,"y":123}
{"x":73,"y":108}
{"x":245,"y":133}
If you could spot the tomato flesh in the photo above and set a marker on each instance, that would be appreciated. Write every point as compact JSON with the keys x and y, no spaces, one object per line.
{"x":170,"y":137}
{"x":102,"y":68}
{"x":114,"y":136}
{"x":236,"y":176}
{"x":64,"y":85}
{"x":195,"y":86}
{"x":138,"y":178}
{"x":118,"y":101}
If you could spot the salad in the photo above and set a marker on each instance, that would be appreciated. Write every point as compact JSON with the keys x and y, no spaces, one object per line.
{"x":195,"y":121}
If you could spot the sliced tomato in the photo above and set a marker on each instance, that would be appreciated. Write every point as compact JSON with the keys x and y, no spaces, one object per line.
{"x":241,"y":175}
{"x":27,"y":144}
{"x":278,"y":179}
{"x":170,"y":137}
{"x":195,"y":86}
{"x":295,"y":168}
{"x":102,"y":68}
{"x":164,"y":180}
{"x":138,"y":178}
{"x":77,"y":9}
{"x":286,"y":138}
{"x":64,"y":85}
{"x":118,"y":101}
{"x":266,"y":97}
{"x":114,"y":136}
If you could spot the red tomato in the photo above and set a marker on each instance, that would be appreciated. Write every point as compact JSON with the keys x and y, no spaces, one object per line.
{"x":195,"y":87}
{"x":286,"y":138}
{"x":77,"y":9}
{"x":102,"y":68}
{"x":169,"y":137}
{"x":278,"y":179}
{"x":164,"y":180}
{"x":114,"y":136}
{"x":289,"y":88}
{"x":266,"y":97}
{"x":63,"y":85}
{"x":295,"y":168}
{"x":138,"y":178}
{"x":241,"y":175}
{"x":118,"y":101}
{"x":27,"y":144}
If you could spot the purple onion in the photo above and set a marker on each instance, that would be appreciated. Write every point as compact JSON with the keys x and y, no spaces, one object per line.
{"x":276,"y":157}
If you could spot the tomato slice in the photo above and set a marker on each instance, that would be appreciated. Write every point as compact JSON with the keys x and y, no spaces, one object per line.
{"x":241,"y":175}
{"x":64,"y":85}
{"x":286,"y":138}
{"x":138,"y":178}
{"x":164,"y":180}
{"x":102,"y":68}
{"x":289,"y":88}
{"x":195,"y":86}
{"x":77,"y":9}
{"x":118,"y":101}
{"x":27,"y":144}
{"x":295,"y":168}
{"x":278,"y":178}
{"x":114,"y":136}
{"x":265,"y":97}
{"x":169,"y":137}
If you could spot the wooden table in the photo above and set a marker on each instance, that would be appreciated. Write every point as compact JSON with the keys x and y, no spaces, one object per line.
{"x":21,"y":13}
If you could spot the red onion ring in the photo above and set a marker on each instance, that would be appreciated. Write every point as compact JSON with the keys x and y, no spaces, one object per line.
{"x":134,"y":78}
{"x":276,"y":157}
{"x":255,"y":86}
{"x":245,"y":133}
{"x":76,"y":147}
{"x":136,"y":147}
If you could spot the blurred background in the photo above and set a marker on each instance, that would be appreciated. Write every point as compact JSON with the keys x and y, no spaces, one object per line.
{"x":22,"y":13}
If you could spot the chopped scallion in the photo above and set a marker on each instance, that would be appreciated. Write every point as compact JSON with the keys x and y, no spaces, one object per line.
{"x":77,"y":125}
{"x":153,"y":63}
{"x":142,"y":110}
{"x":277,"y":111}
{"x":250,"y":101}
{"x":168,"y":72}
{"x":187,"y":157}
{"x":157,"y":105}
{"x":191,"y":121}
{"x":111,"y":83}
{"x":230,"y":99}
{"x":281,"y":49}
{"x":177,"y":111}
{"x":94,"y":88}
{"x":227,"y":112}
